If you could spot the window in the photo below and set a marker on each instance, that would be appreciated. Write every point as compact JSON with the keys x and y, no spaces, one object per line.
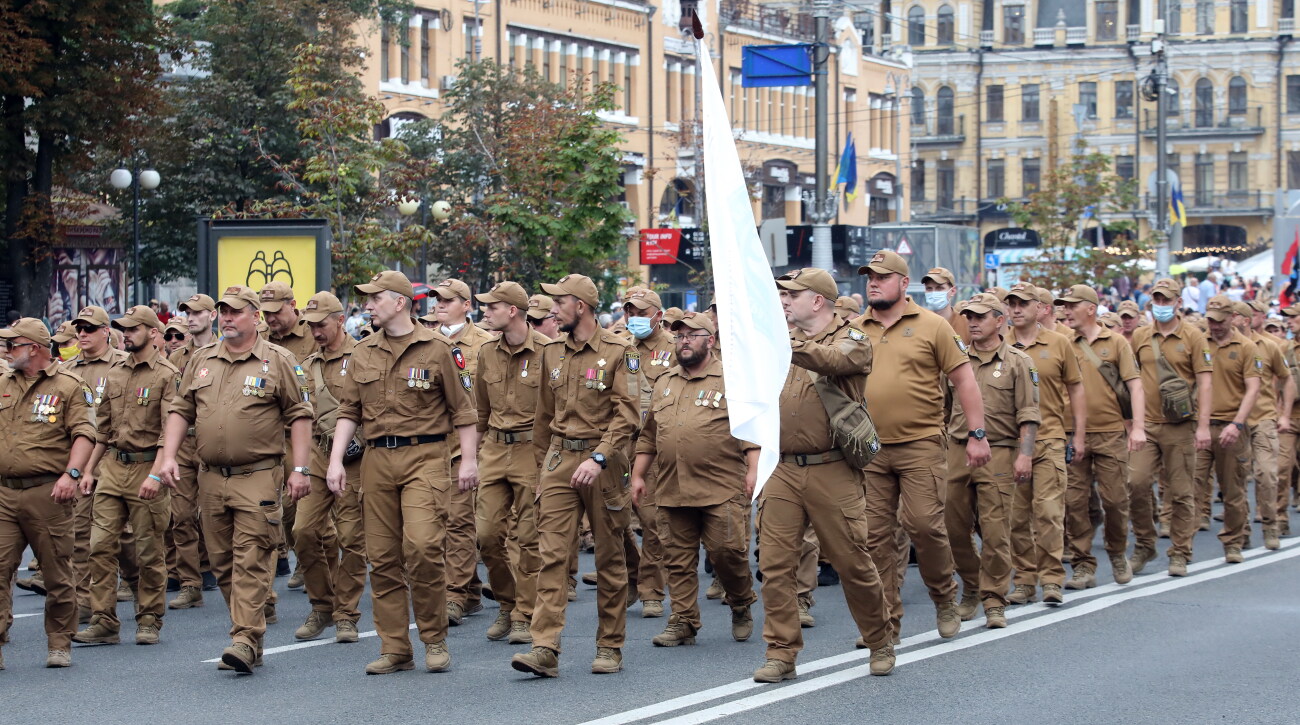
{"x":1293,"y":169}
{"x":472,"y":29}
{"x":512,"y":42}
{"x":426,"y":27}
{"x":1029,"y":102}
{"x":547,"y":45}
{"x":1174,"y":22}
{"x":385,"y":48}
{"x":1031,"y":175}
{"x":918,"y":181}
{"x":629,"y":96}
{"x":1239,"y":12}
{"x":1088,"y":98}
{"x":993,"y":104}
{"x":1204,"y":180}
{"x":1123,"y":99}
{"x":1107,"y":20}
{"x":1125,"y":167}
{"x":945,"y":28}
{"x":1205,"y":17}
{"x":1237,"y":172}
{"x":1013,"y":24}
{"x":997,"y":178}
{"x":1204,"y":103}
{"x":916,"y":26}
{"x":1237,"y":95}
{"x":1172,"y":100}
{"x":1293,"y":94}
{"x":918,"y":107}
{"x":562,"y":50}
{"x":944,"y":112}
{"x":945,"y":182}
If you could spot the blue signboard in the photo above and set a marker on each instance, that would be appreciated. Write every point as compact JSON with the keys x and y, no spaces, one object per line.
{"x":764,"y":66}
{"x":991,"y":261}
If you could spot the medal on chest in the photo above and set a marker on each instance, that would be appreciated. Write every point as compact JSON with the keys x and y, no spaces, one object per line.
{"x":344,"y":371}
{"x":523,"y":369}
{"x":142,"y":396}
{"x":997,"y":372}
{"x":99,"y":390}
{"x":44,"y":409}
{"x":255,"y":386}
{"x":417,"y":378}
{"x":595,"y":378}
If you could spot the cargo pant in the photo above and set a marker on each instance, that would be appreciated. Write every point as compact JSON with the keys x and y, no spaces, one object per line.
{"x":508,"y":483}
{"x":980,"y":499}
{"x":463,"y":585}
{"x":187,"y":552}
{"x":331,"y":542}
{"x":1229,"y":464}
{"x":1168,"y":456}
{"x":1105,"y":463}
{"x":31,"y":517}
{"x":724,"y":531}
{"x":1286,"y":469}
{"x":1264,"y":452}
{"x":118,"y":503}
{"x":650,"y":570}
{"x":83,"y":523}
{"x":1038,"y":519}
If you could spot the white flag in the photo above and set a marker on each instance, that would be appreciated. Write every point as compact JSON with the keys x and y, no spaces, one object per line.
{"x":752,"y":324}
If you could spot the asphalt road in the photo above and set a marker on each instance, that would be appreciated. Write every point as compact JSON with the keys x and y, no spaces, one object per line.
{"x":1216,"y":646}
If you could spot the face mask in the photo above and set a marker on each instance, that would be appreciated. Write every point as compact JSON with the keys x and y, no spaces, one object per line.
{"x":450,"y":331}
{"x":936,"y":301}
{"x":67,"y":353}
{"x":639,"y":327}
{"x":1162,"y":313}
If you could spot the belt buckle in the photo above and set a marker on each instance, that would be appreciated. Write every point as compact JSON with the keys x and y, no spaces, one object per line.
{"x":509,"y":437}
{"x":801,"y":460}
{"x":390,"y":442}
{"x":226,"y":471}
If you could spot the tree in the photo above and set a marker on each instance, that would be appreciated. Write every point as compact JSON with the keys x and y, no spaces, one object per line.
{"x":534,"y":175}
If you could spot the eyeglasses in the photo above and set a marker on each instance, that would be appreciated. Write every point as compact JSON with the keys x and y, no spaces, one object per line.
{"x":684,"y":338}
{"x":169,"y":337}
{"x":11,"y":346}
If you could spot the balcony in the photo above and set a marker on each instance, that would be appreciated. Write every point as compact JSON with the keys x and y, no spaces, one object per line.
{"x":939,"y":131}
{"x":1285,"y":26}
{"x":1209,"y":203}
{"x":1076,"y":36}
{"x":1045,"y":36}
{"x":779,"y":21}
{"x":986,"y":38}
{"x":1133,"y":33}
{"x":944,"y":210}
{"x":1207,"y":122}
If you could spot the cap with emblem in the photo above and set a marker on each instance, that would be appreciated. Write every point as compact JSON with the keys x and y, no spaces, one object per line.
{"x":696,"y":320}
{"x":1045,"y":296}
{"x":643,"y":299}
{"x":998,"y":292}
{"x":177,"y":324}
{"x":539,"y":306}
{"x":197,"y":303}
{"x":321,"y":306}
{"x":1219,"y":308}
{"x":1077,"y":293}
{"x":65,"y":333}
{"x":1110,"y":319}
{"x":1292,"y":311}
{"x":237,"y":297}
{"x":390,"y":280}
{"x":1022,"y":291}
{"x":940,"y":275}
{"x":577,"y":285}
{"x":92,"y":315}
{"x":136,"y":316}
{"x":450,"y":289}
{"x":810,"y":278}
{"x":1168,"y":287}
{"x":885,"y":262}
{"x":511,"y":293}
{"x":30,"y":328}
{"x":274,"y":295}
{"x":848,"y":304}
{"x":671,"y":315}
{"x":984,"y":303}
{"x":1258,"y":305}
{"x":1129,"y":308}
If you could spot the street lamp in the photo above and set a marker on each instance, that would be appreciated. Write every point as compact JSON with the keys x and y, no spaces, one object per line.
{"x":439,"y":210}
{"x":136,"y":180}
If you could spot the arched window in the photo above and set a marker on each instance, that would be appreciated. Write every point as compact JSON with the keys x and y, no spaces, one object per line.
{"x":1204,"y":103}
{"x":916,"y":26}
{"x":944,"y":28}
{"x":1237,"y":95}
{"x":944,"y":111}
{"x":918,"y":107}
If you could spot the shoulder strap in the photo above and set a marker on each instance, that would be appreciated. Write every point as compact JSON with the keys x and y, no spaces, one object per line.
{"x":1091,"y":354}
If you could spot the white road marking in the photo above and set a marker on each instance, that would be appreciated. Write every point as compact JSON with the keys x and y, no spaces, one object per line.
{"x":304,"y":645}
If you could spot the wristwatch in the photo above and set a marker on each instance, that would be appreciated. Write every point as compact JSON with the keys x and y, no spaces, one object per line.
{"x":1240,"y":426}
{"x":302,"y":469}
{"x":74,"y":474}
{"x":599,"y":458}
{"x":978,"y":434}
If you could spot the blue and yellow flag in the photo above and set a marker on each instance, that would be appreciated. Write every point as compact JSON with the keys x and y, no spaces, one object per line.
{"x":1177,"y":209}
{"x":846,"y":171}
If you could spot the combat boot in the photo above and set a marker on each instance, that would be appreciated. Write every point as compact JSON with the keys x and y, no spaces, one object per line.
{"x":589,"y":579}
{"x":221,"y":665}
{"x":500,"y":627}
{"x":608,"y":661}
{"x":58,"y":658}
{"x":268,"y":611}
{"x":652,"y":608}
{"x":1177,"y":566}
{"x":806,"y":618}
{"x":676,"y":633}
{"x":146,"y":630}
{"x":540,"y":661}
{"x":995,"y":617}
{"x":1271,"y":540}
{"x":345,"y":630}
{"x":1141,"y":557}
{"x":124,"y":592}
{"x":240,"y":658}
{"x":99,"y":632}
{"x":187,"y":598}
{"x":455,"y":612}
{"x":775,"y":671}
{"x":34,"y":584}
{"x":969,"y":604}
{"x":1120,"y":569}
{"x":520,"y":633}
{"x":437,"y":658}
{"x":742,"y":623}
{"x":882,"y":660}
{"x":947,"y":619}
{"x":715,"y":590}
{"x":297,"y":580}
{"x":1052,"y":595}
{"x":1084,"y":578}
{"x":317,"y":622}
{"x":388,"y":664}
{"x":1232,"y":554}
{"x":1023,"y":594}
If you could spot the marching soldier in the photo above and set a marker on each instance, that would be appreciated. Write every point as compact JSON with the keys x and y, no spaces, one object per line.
{"x":583,"y":427}
{"x":139,"y":393}
{"x":1288,"y":437}
{"x":240,"y":394}
{"x":940,"y":292}
{"x":408,"y":389}
{"x":541,"y":316}
{"x":174,"y":335}
{"x":1271,"y":414}
{"x":46,"y":412}
{"x":847,"y":307}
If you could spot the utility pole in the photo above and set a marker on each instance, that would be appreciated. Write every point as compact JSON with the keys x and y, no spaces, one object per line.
{"x":1162,"y":160}
{"x":822,"y":201}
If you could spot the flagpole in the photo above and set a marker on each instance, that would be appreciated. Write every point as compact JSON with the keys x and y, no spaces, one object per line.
{"x":821,"y":212}
{"x":1164,"y":194}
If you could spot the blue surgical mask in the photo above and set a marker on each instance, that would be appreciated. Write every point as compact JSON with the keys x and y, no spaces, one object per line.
{"x":936,"y":301}
{"x":1162,"y":313}
{"x":639,"y":327}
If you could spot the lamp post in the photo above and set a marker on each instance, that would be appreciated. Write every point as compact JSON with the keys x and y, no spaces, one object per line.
{"x":439,"y":210}
{"x":136,"y":179}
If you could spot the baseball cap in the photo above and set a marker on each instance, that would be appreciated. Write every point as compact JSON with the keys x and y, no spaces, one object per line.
{"x":984,"y":303}
{"x":452,"y":288}
{"x":810,"y":278}
{"x":1077,"y":293}
{"x":320,"y":306}
{"x":1219,"y":308}
{"x":939,"y":275}
{"x":197,"y":303}
{"x":1022,"y":291}
{"x":1130,"y":308}
{"x":1045,"y":296}
{"x":1292,"y":311}
{"x":1110,"y":319}
{"x":237,"y":297}
{"x":643,"y":298}
{"x":389,"y":280}
{"x":999,"y":292}
{"x":177,"y":324}
{"x":848,"y":304}
{"x":1241,"y":308}
{"x":136,"y":316}
{"x":539,"y":306}
{"x":274,"y":295}
{"x":511,"y":293}
{"x":885,"y":262}
{"x":30,"y":328}
{"x":1258,"y":305}
{"x":578,"y":285}
{"x":65,"y":333}
{"x":92,"y":315}
{"x":1273,"y":321}
{"x":673,"y":314}
{"x":696,"y":320}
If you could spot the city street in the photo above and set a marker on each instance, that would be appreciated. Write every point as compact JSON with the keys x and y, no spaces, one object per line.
{"x":1216,"y":645}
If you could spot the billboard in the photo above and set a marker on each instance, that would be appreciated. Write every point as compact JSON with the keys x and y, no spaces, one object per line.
{"x":254,"y":252}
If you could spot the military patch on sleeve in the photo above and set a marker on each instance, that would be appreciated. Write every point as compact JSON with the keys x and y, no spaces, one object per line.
{"x":85,"y":392}
{"x":857,"y":335}
{"x":1206,"y":353}
{"x":459,"y":357}
{"x":465,"y":381}
{"x":1033,"y":375}
{"x":1259,"y":364}
{"x":960,"y":345}
{"x":632,"y":359}
{"x":303,"y":388}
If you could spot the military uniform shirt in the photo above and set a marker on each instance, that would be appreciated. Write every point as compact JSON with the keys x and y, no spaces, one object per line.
{"x":328,"y":372}
{"x":1008,"y":385}
{"x":298,"y":341}
{"x":1184,"y":349}
{"x":40,"y":417}
{"x":1104,"y":415}
{"x":657,"y":355}
{"x":94,"y":371}
{"x":508,"y":383}
{"x":840,"y":350}
{"x":1234,"y":361}
{"x":136,"y":403}
{"x":585,"y":394}
{"x":1058,"y":368}
{"x":1274,"y":368}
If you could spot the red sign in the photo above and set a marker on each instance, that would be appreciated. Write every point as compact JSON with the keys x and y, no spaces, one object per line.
{"x":660,"y":246}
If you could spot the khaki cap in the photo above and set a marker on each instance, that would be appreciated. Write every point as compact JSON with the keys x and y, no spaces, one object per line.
{"x":1292,"y":311}
{"x":320,"y":306}
{"x":274,"y":295}
{"x":177,"y":324}
{"x":578,"y":285}
{"x":390,"y":280}
{"x":1241,"y":308}
{"x":1022,"y":291}
{"x":136,"y":316}
{"x":1078,"y":293}
{"x":92,"y":315}
{"x":511,"y":293}
{"x":885,"y":262}
{"x":1258,"y":305}
{"x":1110,"y":319}
{"x":848,"y":304}
{"x":1219,"y":308}
{"x":237,"y":297}
{"x":30,"y":328}
{"x":1045,"y":296}
{"x":810,"y":278}
{"x":696,"y":320}
{"x":673,"y":314}
{"x":643,"y":298}
{"x":960,"y":306}
{"x":984,"y":303}
{"x":449,"y":289}
{"x":1129,"y":308}
{"x":999,"y":292}
{"x":1168,"y":287}
{"x":940,"y":275}
{"x":65,"y":333}
{"x":539,"y":306}
{"x":197,"y":303}
{"x":1270,"y":322}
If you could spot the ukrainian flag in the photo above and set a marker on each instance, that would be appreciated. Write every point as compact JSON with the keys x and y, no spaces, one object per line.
{"x":1177,"y":209}
{"x":846,"y":171}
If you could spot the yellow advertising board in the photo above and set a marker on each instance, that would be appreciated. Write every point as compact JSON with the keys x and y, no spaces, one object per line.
{"x":256,"y":261}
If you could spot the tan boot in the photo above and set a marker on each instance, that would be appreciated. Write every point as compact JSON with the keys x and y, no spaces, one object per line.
{"x":652,"y":608}
{"x":608,"y":661}
{"x":124,"y":592}
{"x":1052,"y":595}
{"x":1272,"y":541}
{"x":146,"y":630}
{"x":268,"y":611}
{"x":995,"y":617}
{"x":573,"y":593}
{"x":239,"y":657}
{"x":715,"y":590}
{"x":1232,"y":555}
{"x":676,"y":633}
{"x":58,"y":658}
{"x":806,"y":619}
{"x":742,"y":623}
{"x":1023,"y":594}
{"x":317,"y":622}
{"x":437,"y":658}
{"x":1120,"y":569}
{"x":297,"y":580}
{"x":589,"y":579}
{"x":455,"y":613}
{"x":882,"y":660}
{"x":225,"y":667}
{"x":1083,"y":578}
{"x":1141,"y":557}
{"x":775,"y":671}
{"x":98,"y":632}
{"x":388,"y":664}
{"x":345,"y":631}
{"x":186,"y":598}
{"x":968,"y":606}
{"x":540,"y":661}
{"x":520,"y":633}
{"x":500,"y":627}
{"x":1177,"y":566}
{"x":947,"y":620}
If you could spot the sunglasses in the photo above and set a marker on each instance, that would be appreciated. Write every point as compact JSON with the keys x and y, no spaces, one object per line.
{"x":11,"y":346}
{"x":86,"y":329}
{"x":171,"y":336}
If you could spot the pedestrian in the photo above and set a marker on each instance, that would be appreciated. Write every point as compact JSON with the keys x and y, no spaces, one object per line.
{"x":1271,"y":414}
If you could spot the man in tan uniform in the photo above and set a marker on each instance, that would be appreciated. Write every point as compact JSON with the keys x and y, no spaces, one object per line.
{"x":706,"y":481}
{"x":1236,"y":384}
{"x":940,"y":293}
{"x":509,"y":377}
{"x":1038,"y":505}
{"x":1287,"y":439}
{"x":1106,"y":458}
{"x":1049,"y":313}
{"x":464,"y":590}
{"x":1171,"y":444}
{"x":1130,"y":319}
{"x":541,"y":316}
{"x":46,"y":413}
{"x":583,"y":430}
{"x":139,"y":394}
{"x":175,"y":334}
{"x":982,"y":497}
{"x":409,"y":392}
{"x":1272,"y":412}
{"x":814,"y":484}
{"x":334,"y":575}
{"x":240,"y":395}
{"x":907,"y":480}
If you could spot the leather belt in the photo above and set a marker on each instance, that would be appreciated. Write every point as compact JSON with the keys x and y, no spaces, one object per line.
{"x":265,"y":464}
{"x":20,"y":484}
{"x":812,"y":459}
{"x":575,"y":444}
{"x":511,"y":436}
{"x":139,"y":457}
{"x":403,"y":441}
